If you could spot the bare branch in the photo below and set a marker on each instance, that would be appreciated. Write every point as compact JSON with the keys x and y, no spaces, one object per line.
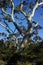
{"x":21,"y":6}
{"x":5,"y":12}
{"x":34,"y":9}
{"x":12,"y":15}
{"x":5,"y":27}
{"x":8,"y":26}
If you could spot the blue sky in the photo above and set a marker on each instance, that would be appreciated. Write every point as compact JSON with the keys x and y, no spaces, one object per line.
{"x":38,"y":17}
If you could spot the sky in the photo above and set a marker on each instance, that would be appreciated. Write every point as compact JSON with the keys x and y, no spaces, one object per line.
{"x":38,"y":17}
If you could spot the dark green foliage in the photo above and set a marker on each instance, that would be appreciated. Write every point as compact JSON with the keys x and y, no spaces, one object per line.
{"x":31,"y":54}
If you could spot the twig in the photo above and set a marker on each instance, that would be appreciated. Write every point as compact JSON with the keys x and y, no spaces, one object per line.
{"x":5,"y":12}
{"x":5,"y":27}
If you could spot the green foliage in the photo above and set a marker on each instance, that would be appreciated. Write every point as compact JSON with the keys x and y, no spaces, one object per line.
{"x":30,"y":55}
{"x":2,"y":62}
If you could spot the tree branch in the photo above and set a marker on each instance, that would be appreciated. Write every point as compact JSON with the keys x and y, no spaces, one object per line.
{"x":34,"y":9}
{"x":12,"y":16}
{"x":5,"y":27}
{"x":5,"y":12}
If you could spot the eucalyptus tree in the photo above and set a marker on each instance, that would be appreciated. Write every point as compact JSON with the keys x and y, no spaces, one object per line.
{"x":21,"y":16}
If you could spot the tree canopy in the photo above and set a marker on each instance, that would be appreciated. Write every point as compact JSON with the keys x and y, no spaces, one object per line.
{"x":20,"y":41}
